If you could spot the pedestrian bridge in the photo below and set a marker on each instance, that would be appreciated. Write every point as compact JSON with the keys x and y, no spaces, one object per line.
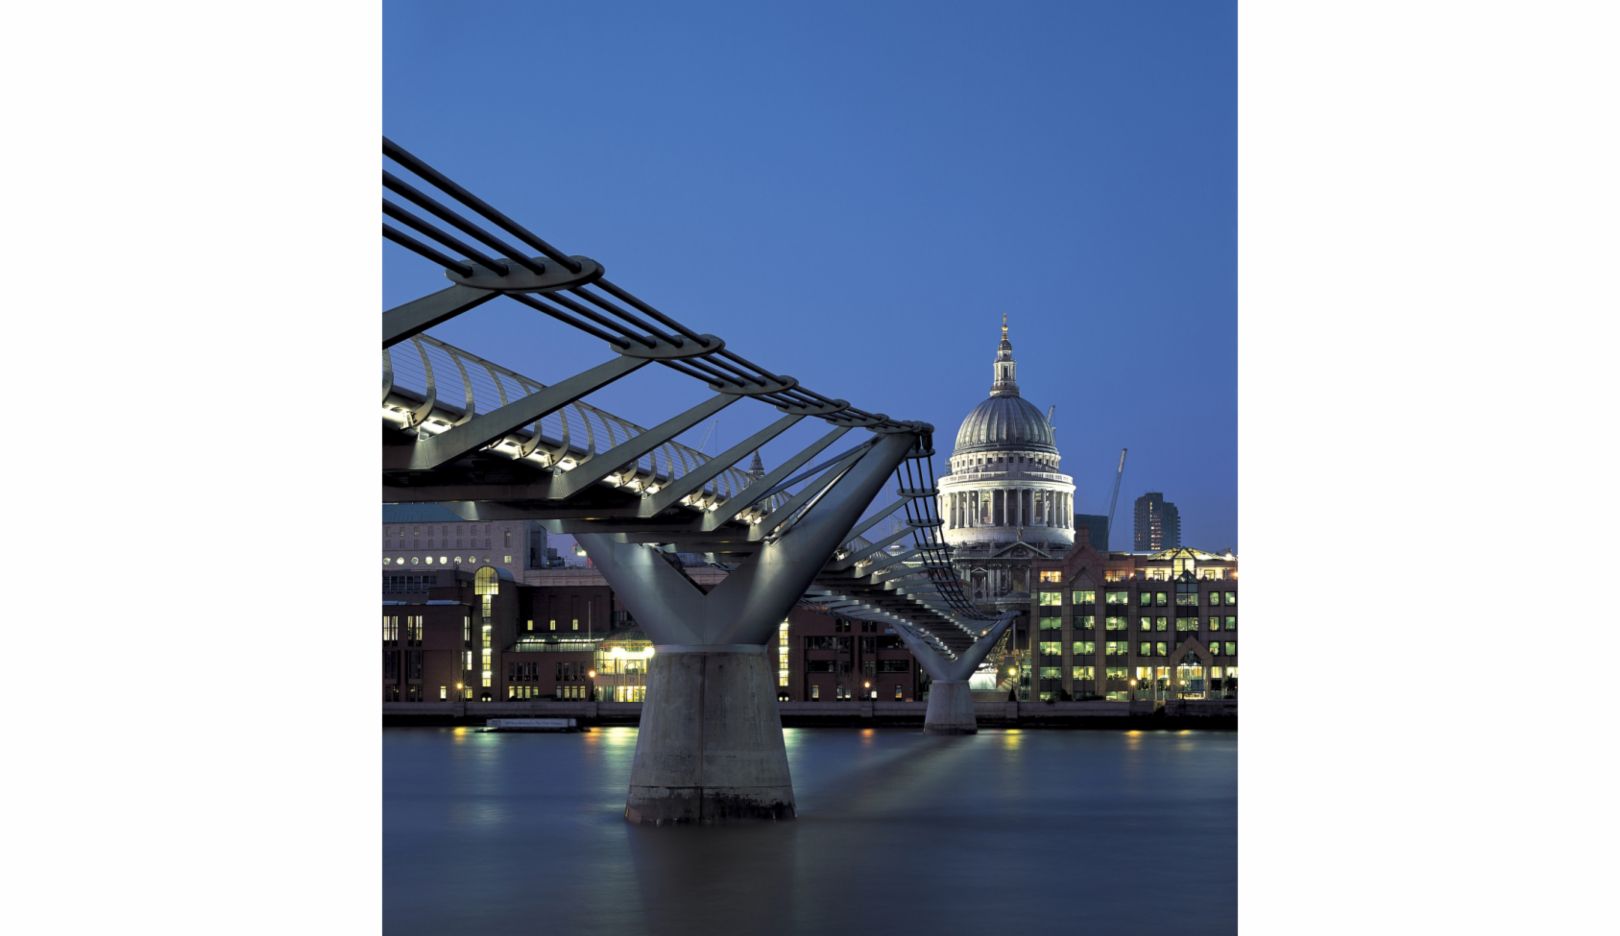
{"x":490,"y":442}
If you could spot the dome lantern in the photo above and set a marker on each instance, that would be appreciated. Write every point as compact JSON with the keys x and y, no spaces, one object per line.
{"x":1006,"y":380}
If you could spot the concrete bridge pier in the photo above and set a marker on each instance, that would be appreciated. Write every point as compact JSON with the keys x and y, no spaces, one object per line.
{"x":950,"y":701}
{"x":710,"y":746}
{"x":950,"y":708}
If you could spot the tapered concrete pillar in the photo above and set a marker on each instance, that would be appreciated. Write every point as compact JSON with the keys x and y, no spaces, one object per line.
{"x":950,"y":701}
{"x":710,"y":745}
{"x":950,"y":709}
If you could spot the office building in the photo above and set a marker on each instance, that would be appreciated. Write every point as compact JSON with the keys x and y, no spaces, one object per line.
{"x":1158,"y":523}
{"x":1124,"y":626}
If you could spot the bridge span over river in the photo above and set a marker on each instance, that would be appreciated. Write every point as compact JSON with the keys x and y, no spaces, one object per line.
{"x":489,"y":442}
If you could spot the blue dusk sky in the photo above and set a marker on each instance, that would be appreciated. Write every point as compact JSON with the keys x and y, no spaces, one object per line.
{"x":854,"y":193}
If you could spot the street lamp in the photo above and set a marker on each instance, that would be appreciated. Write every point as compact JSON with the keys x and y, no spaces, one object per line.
{"x":1133,"y":689}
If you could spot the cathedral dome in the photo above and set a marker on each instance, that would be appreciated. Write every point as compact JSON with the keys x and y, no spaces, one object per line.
{"x":1006,"y":487}
{"x":1006,"y":422}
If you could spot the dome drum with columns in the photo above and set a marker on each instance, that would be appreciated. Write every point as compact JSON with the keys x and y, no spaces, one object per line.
{"x":1005,"y":500}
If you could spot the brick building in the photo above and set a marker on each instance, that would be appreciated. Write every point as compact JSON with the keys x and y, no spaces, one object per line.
{"x":1113,"y":626}
{"x":1127,"y":625}
{"x":830,"y":658}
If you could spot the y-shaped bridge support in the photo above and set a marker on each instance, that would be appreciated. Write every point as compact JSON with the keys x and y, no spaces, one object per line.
{"x":950,"y":702}
{"x":710,"y":746}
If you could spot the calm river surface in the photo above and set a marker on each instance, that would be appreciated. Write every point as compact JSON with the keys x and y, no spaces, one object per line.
{"x":898,"y":833}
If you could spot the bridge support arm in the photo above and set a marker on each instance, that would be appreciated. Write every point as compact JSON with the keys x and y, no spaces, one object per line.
{"x":710,"y":746}
{"x":950,"y":702}
{"x":417,"y":316}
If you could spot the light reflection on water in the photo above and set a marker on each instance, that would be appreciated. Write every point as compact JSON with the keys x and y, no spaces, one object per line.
{"x":1066,"y":831}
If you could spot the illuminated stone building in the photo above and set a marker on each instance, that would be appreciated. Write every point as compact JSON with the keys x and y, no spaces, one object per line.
{"x":1160,"y":626}
{"x":423,"y":537}
{"x":1005,"y":503}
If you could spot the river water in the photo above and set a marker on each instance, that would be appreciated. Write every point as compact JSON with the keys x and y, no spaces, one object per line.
{"x":1004,"y":831}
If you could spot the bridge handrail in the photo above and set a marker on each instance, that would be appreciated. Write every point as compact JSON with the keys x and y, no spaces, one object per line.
{"x":561,"y":437}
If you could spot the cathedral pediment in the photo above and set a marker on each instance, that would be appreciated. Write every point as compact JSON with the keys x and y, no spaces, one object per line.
{"x":1019,"y":550}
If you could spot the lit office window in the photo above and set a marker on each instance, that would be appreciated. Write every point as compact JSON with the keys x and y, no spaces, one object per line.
{"x":1087,"y":597}
{"x":1050,"y":598}
{"x":782,"y":654}
{"x":1052,"y":576}
{"x":1084,"y":647}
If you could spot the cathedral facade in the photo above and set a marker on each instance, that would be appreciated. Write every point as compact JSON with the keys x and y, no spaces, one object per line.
{"x":1005,"y":503}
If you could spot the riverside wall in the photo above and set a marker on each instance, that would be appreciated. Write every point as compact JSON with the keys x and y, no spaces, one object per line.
{"x":1213,"y":714}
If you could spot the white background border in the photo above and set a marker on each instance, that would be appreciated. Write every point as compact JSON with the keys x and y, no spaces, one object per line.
{"x":1428,"y":247}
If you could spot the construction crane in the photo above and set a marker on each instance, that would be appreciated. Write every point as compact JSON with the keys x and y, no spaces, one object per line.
{"x":1114,"y":498}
